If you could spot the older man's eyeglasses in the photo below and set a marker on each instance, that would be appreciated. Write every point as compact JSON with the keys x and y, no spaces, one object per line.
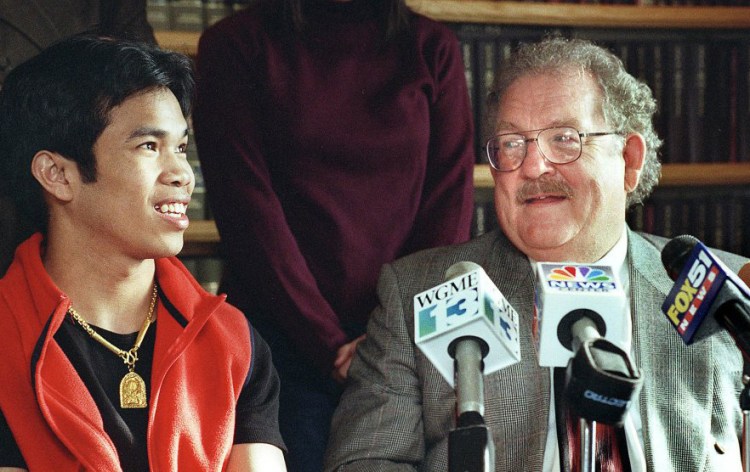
{"x":559,"y":145}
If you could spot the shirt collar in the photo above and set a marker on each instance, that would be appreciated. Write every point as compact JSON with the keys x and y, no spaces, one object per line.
{"x":614,"y":258}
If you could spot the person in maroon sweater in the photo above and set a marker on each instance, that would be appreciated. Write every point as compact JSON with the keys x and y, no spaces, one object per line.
{"x":334,"y":136}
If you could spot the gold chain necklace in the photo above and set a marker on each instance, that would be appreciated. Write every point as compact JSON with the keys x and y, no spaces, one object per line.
{"x":132,"y":386}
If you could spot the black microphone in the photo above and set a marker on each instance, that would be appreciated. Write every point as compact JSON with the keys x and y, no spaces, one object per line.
{"x":601,"y":379}
{"x":707,"y":296}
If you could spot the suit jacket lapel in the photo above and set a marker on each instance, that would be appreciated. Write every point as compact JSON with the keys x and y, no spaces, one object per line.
{"x":675,"y":403}
{"x":521,"y":410}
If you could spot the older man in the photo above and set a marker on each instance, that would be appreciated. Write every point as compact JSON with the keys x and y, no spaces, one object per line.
{"x":574,"y":147}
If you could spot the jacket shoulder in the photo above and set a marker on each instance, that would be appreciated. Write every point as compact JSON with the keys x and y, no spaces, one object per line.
{"x":732,"y":260}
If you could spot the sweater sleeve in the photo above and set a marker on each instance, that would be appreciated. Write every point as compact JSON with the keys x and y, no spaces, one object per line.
{"x":260,"y":248}
{"x":447,"y":201}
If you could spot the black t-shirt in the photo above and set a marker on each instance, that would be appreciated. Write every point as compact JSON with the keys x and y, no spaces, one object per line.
{"x":101,"y":372}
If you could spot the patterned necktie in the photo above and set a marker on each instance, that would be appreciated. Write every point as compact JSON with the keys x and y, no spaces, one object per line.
{"x":611,"y":450}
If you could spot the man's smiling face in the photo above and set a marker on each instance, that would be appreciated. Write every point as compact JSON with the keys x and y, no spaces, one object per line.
{"x":555,"y":212}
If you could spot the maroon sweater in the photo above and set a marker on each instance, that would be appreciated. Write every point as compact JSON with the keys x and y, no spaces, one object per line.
{"x":326,"y":156}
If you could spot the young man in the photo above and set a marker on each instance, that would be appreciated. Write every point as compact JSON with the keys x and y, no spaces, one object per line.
{"x":115,"y":359}
{"x":29,"y":27}
{"x":575,"y":146}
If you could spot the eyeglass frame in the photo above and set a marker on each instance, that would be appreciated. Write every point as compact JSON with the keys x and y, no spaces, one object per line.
{"x":536,"y":139}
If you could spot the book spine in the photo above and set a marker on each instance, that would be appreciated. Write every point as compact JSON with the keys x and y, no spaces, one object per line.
{"x":198,"y":208}
{"x":716,"y":136}
{"x":214,"y":11}
{"x":673,"y":108}
{"x":158,"y":14}
{"x":466,"y":34}
{"x":187,"y":15}
{"x":695,"y":100}
{"x":743,"y":102}
{"x":486,"y":66}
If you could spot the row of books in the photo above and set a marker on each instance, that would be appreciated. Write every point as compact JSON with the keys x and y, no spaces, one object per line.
{"x":194,"y":15}
{"x":700,"y":79}
{"x":206,"y":270}
{"x":190,"y":15}
{"x":718,"y":216}
{"x":198,"y":208}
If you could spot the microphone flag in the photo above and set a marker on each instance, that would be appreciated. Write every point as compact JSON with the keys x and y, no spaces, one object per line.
{"x":467,"y":305}
{"x":697,"y":288}
{"x":565,"y":290}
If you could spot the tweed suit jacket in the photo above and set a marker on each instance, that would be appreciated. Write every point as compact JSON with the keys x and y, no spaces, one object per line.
{"x":397,"y":410}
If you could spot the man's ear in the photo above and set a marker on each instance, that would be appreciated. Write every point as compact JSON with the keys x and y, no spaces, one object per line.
{"x":55,"y":174}
{"x":634,"y":153}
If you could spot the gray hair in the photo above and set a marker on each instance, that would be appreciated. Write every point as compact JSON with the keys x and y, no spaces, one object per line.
{"x":627,"y":104}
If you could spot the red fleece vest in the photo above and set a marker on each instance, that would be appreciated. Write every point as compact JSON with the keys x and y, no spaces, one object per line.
{"x":201,"y":359}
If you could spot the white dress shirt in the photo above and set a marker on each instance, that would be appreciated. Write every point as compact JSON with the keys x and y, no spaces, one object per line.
{"x":615,"y":258}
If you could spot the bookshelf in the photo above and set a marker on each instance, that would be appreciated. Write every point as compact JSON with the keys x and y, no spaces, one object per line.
{"x":202,"y":237}
{"x":588,"y":15}
{"x":543,"y":14}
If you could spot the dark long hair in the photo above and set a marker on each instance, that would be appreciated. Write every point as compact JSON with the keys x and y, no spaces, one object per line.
{"x":290,"y":15}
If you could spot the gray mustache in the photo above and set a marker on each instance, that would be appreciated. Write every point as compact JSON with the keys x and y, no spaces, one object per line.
{"x":543,"y":185}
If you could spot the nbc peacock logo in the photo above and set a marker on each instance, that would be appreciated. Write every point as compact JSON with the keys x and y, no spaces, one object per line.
{"x":580,"y":278}
{"x":579,"y":274}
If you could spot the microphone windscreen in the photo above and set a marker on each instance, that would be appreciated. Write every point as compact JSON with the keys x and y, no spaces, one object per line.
{"x":676,"y":252}
{"x":460,"y":268}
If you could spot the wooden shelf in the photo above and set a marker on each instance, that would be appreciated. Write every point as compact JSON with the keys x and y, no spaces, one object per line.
{"x":185,"y":42}
{"x":542,"y":14}
{"x":588,"y":15}
{"x":201,"y":239}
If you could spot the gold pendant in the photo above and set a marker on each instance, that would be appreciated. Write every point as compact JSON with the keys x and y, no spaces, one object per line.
{"x":132,"y":391}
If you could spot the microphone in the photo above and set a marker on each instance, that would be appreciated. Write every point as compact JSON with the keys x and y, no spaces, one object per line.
{"x":707,"y":296}
{"x":467,"y":320}
{"x":566,"y":293}
{"x":581,"y":322}
{"x":466,"y":305}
